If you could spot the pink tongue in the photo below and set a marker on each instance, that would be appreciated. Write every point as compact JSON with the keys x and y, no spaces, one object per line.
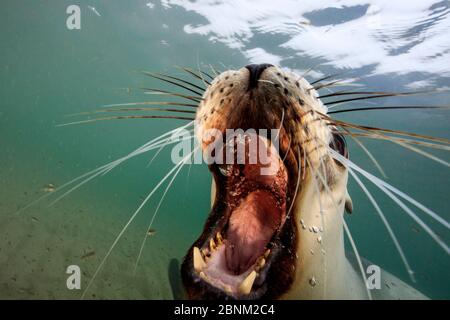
{"x":251,"y":226}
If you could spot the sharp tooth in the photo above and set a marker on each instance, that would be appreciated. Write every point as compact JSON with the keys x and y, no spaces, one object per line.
{"x":199,"y":263}
{"x":219,"y":238}
{"x":212,"y":244}
{"x":228,"y":290}
{"x":246,"y":286}
{"x":262,"y":262}
{"x":266,"y":254}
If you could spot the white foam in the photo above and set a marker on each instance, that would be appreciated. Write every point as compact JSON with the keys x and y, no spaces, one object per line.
{"x":399,"y":36}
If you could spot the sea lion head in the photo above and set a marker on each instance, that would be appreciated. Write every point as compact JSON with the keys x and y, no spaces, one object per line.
{"x":253,"y":242}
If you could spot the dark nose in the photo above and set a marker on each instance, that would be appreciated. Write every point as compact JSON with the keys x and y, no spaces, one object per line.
{"x":255,"y":73}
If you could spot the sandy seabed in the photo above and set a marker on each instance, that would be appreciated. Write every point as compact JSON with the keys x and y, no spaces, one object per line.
{"x":37,"y":245}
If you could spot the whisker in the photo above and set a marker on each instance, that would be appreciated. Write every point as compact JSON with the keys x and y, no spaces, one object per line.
{"x":358,"y":257}
{"x":156,"y":212}
{"x":346,"y":92}
{"x":208,"y":75}
{"x":288,"y":149}
{"x":172,"y":82}
{"x":399,"y":94}
{"x":124,"y":117}
{"x":159,"y":144}
{"x":324,"y":85}
{"x":369,"y":154}
{"x":214,"y":70}
{"x":162,"y":147}
{"x":380,"y":136}
{"x":325,"y":78}
{"x":386,"y":224}
{"x":59,"y":189}
{"x":106,"y":167}
{"x":266,"y":81}
{"x":189,"y":83}
{"x":387,"y":188}
{"x":153,"y":103}
{"x":134,"y":109}
{"x":299,"y":174}
{"x":387,"y":108}
{"x":195,"y":98}
{"x":77,"y":186}
{"x":145,"y":109}
{"x":307,"y":71}
{"x":367,"y":128}
{"x":328,"y":84}
{"x":205,"y":82}
{"x":196,"y":75}
{"x":127,"y":225}
{"x":423,"y":153}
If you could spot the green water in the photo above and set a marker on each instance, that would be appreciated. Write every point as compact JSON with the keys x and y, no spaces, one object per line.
{"x":49,"y":72}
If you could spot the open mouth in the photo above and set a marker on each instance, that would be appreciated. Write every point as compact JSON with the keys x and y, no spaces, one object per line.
{"x":246,"y":234}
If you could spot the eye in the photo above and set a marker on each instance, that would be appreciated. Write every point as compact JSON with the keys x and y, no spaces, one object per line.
{"x":339,"y":144}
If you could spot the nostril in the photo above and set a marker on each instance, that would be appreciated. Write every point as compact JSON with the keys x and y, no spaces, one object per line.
{"x":255,"y":73}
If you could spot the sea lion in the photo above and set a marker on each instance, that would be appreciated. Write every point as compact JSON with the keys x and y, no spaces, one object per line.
{"x":279,"y":235}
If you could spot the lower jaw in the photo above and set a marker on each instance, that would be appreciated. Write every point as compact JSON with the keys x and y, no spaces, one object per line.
{"x":206,"y":276}
{"x":273,"y":278}
{"x":211,"y":266}
{"x":216,"y":274}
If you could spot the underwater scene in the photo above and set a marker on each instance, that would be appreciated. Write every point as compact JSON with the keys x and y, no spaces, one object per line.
{"x":92,"y":90}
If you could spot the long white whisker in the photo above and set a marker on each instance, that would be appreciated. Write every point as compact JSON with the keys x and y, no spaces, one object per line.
{"x":62,"y":187}
{"x":155,"y":213}
{"x":370,"y":155}
{"x":423,"y":153}
{"x":154,"y":143}
{"x":386,"y":224}
{"x":201,"y":76}
{"x":297,"y":184}
{"x":385,"y":187}
{"x":127,"y":225}
{"x":162,"y":147}
{"x":417,"y":219}
{"x":103,"y":168}
{"x":358,"y":257}
{"x":75,"y":187}
{"x":373,"y":178}
{"x":288,"y":149}
{"x":404,"y":140}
